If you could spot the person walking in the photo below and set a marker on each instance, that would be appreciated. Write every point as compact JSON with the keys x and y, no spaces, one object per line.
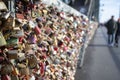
{"x":110,"y":25}
{"x":117,"y":34}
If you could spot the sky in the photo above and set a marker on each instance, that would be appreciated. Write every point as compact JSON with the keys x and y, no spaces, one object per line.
{"x":109,"y":8}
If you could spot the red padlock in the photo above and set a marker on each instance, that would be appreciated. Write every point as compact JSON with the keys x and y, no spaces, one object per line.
{"x":56,"y":48}
{"x":5,"y":77}
{"x":1,"y":58}
{"x":67,"y":39}
{"x":37,"y":30}
{"x":65,"y":48}
{"x":42,"y":68}
{"x":21,"y":39}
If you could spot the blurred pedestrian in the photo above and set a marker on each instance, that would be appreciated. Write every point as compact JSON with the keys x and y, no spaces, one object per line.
{"x":117,"y":34}
{"x":110,"y":25}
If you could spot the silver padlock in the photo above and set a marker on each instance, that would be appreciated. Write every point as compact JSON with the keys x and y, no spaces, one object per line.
{"x":6,"y":15}
{"x":3,"y":6}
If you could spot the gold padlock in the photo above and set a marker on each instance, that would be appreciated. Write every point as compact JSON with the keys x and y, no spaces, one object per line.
{"x":15,"y":71}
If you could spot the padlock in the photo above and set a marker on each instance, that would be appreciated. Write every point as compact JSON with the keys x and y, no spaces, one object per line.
{"x":37,"y":30}
{"x":32,"y":61}
{"x":39,"y":12}
{"x":55,"y":48}
{"x":15,"y":71}
{"x":19,"y":16}
{"x":24,"y":71}
{"x":56,"y":61}
{"x":12,"y":41}
{"x":6,"y":69}
{"x":14,"y":77}
{"x":21,"y":56}
{"x":45,"y":12}
{"x":6,"y":15}
{"x":60,"y":43}
{"x":9,"y":23}
{"x":17,"y":33}
{"x":42,"y":68}
{"x":32,"y":77}
{"x":6,"y":33}
{"x":5,"y":77}
{"x":26,"y":27}
{"x":69,"y":53}
{"x":2,"y":40}
{"x":13,"y":54}
{"x":31,"y":24}
{"x":65,"y":48}
{"x":33,"y":39}
{"x":3,"y":6}
{"x":67,"y":39}
{"x":21,"y":65}
{"x":27,"y":47}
